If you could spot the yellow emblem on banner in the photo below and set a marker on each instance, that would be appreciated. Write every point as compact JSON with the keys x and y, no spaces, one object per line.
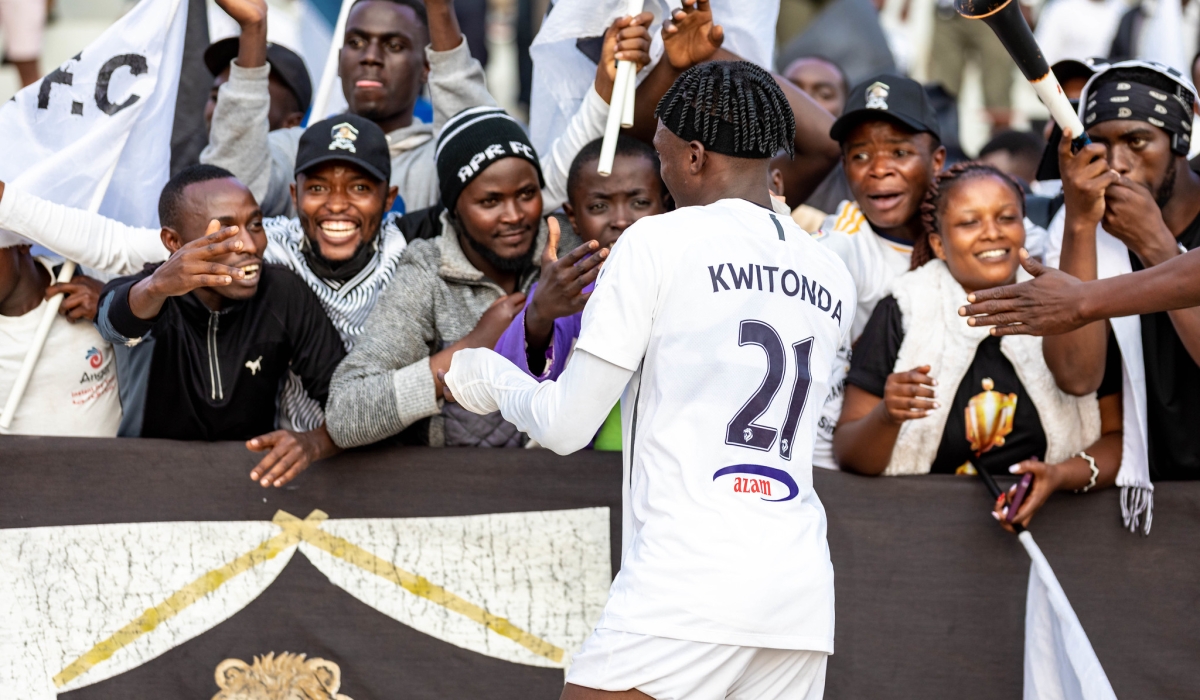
{"x":989,"y":418}
{"x":294,"y":531}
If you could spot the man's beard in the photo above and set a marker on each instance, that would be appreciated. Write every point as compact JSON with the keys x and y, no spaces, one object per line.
{"x":518,"y":265}
{"x":1167,"y":189}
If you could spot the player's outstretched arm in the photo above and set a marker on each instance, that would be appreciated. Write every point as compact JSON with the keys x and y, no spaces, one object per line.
{"x":561,"y":415}
{"x":91,"y":240}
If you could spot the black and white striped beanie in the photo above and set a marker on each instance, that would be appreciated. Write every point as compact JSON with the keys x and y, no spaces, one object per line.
{"x":472,"y":140}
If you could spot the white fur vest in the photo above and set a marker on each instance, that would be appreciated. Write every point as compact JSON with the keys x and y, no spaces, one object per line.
{"x":935,"y":335}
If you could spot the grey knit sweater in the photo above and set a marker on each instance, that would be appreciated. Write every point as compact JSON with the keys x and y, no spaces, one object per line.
{"x":385,"y":386}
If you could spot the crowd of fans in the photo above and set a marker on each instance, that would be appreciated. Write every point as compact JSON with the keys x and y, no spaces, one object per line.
{"x":309,"y":286}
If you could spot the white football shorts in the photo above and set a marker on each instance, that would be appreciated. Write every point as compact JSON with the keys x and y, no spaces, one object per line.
{"x":675,"y":669}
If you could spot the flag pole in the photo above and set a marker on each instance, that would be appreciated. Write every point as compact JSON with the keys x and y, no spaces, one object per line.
{"x":620,"y":105}
{"x":43,"y":330}
{"x":329,"y":75}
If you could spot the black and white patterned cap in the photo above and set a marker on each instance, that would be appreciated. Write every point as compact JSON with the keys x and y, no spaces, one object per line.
{"x":1145,"y":91}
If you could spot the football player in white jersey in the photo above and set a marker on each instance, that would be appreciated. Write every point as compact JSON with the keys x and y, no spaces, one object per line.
{"x":717,"y":326}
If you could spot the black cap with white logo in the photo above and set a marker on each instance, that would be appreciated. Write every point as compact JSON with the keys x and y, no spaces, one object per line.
{"x":890,"y":97}
{"x":348,"y":138}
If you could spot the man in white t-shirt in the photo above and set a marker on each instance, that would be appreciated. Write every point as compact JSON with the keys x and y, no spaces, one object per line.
{"x":717,"y":326}
{"x":73,"y":390}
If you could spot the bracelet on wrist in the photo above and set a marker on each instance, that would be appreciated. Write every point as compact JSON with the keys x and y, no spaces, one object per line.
{"x":1091,"y":461}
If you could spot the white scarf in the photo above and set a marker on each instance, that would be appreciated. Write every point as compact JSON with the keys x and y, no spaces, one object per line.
{"x":935,"y":335}
{"x":1137,"y":493}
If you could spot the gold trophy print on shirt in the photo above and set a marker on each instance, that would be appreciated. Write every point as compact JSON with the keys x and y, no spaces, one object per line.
{"x":989,"y":418}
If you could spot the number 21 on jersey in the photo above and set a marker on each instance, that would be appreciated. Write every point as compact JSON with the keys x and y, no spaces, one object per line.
{"x":742,"y":431}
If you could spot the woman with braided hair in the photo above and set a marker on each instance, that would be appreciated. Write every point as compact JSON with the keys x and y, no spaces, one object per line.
{"x":717,"y":325}
{"x":927,"y":393}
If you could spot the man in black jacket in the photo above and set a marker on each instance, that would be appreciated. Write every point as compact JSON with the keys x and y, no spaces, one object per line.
{"x":204,"y":340}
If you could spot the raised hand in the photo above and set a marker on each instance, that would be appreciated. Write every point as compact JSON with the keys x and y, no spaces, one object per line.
{"x":82,"y":297}
{"x":909,"y":395}
{"x":689,"y":36}
{"x":192,"y":266}
{"x":560,"y":286}
{"x":627,"y":39}
{"x":251,"y":16}
{"x":1085,"y":177}
{"x":1046,"y":305}
{"x":245,"y":12}
{"x":189,"y":268}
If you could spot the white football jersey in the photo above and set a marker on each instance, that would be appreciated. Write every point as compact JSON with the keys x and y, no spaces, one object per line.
{"x":731,"y":317}
{"x":873,"y":261}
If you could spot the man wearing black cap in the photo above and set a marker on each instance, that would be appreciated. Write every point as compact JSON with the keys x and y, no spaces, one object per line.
{"x":891,"y":149}
{"x":204,"y":340}
{"x":458,"y":290}
{"x":288,"y":84}
{"x":392,"y":49}
{"x":343,"y":244}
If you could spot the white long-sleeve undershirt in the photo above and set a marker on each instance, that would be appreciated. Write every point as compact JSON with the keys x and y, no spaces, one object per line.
{"x":586,"y":125}
{"x":561,"y":415}
{"x":90,"y":240}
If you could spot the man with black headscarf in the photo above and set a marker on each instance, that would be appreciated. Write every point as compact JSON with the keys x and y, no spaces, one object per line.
{"x":1133,"y":203}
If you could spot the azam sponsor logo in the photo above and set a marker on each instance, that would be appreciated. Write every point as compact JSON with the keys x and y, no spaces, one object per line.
{"x":760,"y":486}
{"x":95,"y":358}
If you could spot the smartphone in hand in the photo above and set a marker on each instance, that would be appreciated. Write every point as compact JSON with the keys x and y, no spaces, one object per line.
{"x":1018,"y":497}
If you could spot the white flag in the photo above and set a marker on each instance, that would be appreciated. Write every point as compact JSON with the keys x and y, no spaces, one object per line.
{"x":562,"y":74}
{"x":1060,"y":663}
{"x":108,"y":110}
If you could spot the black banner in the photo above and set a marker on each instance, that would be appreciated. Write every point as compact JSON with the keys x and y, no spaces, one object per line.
{"x":930,"y":592}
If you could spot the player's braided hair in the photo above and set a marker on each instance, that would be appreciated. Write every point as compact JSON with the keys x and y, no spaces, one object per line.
{"x":935,"y":198}
{"x":732,"y":107}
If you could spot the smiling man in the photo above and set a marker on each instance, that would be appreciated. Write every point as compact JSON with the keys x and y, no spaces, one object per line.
{"x":344,"y":244}
{"x":391,"y":50}
{"x":204,"y":340}
{"x":458,"y":290}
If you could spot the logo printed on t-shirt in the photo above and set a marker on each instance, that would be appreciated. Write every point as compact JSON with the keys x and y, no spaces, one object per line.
{"x":97,"y":383}
{"x":760,"y":486}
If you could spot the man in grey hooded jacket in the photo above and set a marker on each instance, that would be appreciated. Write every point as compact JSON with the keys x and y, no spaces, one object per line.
{"x":392,"y":48}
